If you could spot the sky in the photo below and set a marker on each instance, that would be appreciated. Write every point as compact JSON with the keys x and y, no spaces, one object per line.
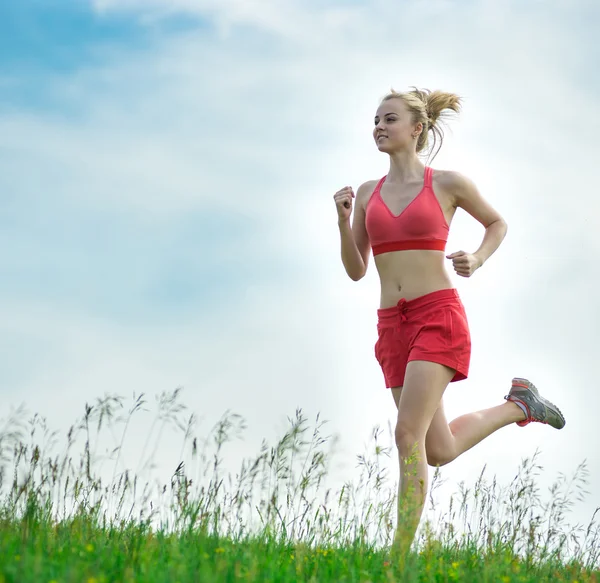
{"x":167,"y":171}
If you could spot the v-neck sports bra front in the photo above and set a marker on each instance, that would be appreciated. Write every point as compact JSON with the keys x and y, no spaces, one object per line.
{"x":421,"y":225}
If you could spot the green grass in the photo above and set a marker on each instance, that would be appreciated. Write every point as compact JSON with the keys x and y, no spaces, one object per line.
{"x":81,"y":516}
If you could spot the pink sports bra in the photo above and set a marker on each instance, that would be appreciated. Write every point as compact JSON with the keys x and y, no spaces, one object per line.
{"x":421,"y":225}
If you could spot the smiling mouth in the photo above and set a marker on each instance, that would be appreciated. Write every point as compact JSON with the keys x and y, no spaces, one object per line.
{"x":381,"y":136}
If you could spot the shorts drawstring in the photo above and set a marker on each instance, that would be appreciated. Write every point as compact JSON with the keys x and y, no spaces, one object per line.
{"x":401,"y":312}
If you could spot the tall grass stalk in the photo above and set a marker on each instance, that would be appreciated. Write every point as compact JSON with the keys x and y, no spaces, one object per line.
{"x":281,"y":494}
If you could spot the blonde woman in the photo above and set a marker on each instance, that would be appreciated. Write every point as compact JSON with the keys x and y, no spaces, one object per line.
{"x":423,"y":339}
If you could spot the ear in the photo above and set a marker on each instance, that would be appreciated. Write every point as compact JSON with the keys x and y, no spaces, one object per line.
{"x":418,"y":129}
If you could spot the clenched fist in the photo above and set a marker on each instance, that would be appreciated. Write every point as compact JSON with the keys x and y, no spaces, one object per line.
{"x":465,"y":264}
{"x":343,"y":202}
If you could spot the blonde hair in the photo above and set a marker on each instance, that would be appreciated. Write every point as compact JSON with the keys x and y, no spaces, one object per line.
{"x":428,"y":107}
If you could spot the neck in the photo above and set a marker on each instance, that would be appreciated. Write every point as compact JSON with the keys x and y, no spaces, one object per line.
{"x":405,"y":167}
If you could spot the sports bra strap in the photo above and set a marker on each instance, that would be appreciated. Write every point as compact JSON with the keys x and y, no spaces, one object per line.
{"x":428,"y":177}
{"x":378,"y":187}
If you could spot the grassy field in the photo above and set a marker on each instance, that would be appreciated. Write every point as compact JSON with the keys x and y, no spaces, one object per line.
{"x":69,"y":517}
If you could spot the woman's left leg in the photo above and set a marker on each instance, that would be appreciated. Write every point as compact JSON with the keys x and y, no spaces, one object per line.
{"x":446,"y":441}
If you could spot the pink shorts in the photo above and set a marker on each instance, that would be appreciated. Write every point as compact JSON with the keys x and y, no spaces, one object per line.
{"x":432,"y":327}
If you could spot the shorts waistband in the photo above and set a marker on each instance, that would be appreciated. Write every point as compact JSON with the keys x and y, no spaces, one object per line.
{"x":419,"y":302}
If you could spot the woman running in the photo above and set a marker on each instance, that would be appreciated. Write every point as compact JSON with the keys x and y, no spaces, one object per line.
{"x":423,"y":339}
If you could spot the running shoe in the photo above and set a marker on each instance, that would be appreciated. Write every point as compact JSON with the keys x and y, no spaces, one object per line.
{"x":536,"y":408}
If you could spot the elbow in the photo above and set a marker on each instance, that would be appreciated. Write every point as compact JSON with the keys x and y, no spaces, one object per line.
{"x":498,"y":226}
{"x":502,"y":224}
{"x":503,"y":227}
{"x":357,"y":276}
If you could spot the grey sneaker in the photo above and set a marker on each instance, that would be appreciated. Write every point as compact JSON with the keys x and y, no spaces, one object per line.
{"x":536,"y":407}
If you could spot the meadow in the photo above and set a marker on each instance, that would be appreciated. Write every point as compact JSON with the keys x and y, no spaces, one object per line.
{"x":71,"y":514}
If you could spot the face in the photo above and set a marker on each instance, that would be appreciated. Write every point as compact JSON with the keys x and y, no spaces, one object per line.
{"x":394,"y":127}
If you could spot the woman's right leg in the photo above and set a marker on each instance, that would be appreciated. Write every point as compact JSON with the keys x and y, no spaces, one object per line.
{"x":424,"y":385}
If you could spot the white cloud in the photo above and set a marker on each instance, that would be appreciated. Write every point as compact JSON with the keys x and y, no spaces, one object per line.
{"x":288,"y":19}
{"x":204,"y":122}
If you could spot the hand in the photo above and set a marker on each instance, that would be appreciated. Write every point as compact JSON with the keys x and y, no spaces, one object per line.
{"x":343,"y":202}
{"x":465,"y":264}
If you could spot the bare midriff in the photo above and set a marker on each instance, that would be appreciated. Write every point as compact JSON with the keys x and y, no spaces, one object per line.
{"x":410,"y":274}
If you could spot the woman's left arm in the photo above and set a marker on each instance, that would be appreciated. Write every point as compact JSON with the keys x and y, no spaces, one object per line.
{"x":467,"y":197}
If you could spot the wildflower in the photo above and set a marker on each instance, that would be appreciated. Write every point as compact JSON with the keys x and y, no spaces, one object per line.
{"x":89,"y":547}
{"x":219,"y":550}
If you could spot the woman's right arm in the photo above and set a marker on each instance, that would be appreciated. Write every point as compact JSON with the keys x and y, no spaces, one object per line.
{"x":355,"y":246}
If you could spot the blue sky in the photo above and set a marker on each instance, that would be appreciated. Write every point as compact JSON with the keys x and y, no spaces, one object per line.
{"x":69,"y":252}
{"x":41,"y":39}
{"x":61,"y":35}
{"x":166,"y":179}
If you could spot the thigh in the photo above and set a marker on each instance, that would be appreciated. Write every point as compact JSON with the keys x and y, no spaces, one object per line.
{"x":396,"y":392}
{"x":439,"y":437}
{"x":421,"y":395}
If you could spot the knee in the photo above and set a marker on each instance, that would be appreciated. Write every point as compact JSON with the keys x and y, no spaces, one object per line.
{"x":439,"y":457}
{"x":439,"y":453}
{"x":407,"y":439}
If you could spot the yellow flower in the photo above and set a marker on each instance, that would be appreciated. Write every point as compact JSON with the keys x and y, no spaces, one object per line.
{"x":219,"y":550}
{"x":89,"y":547}
{"x":92,"y":580}
{"x":17,"y":558}
{"x":506,"y":579}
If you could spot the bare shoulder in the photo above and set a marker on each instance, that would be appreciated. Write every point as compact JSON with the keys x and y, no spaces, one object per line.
{"x":463,"y":193}
{"x":364,"y":192}
{"x":453,"y":184}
